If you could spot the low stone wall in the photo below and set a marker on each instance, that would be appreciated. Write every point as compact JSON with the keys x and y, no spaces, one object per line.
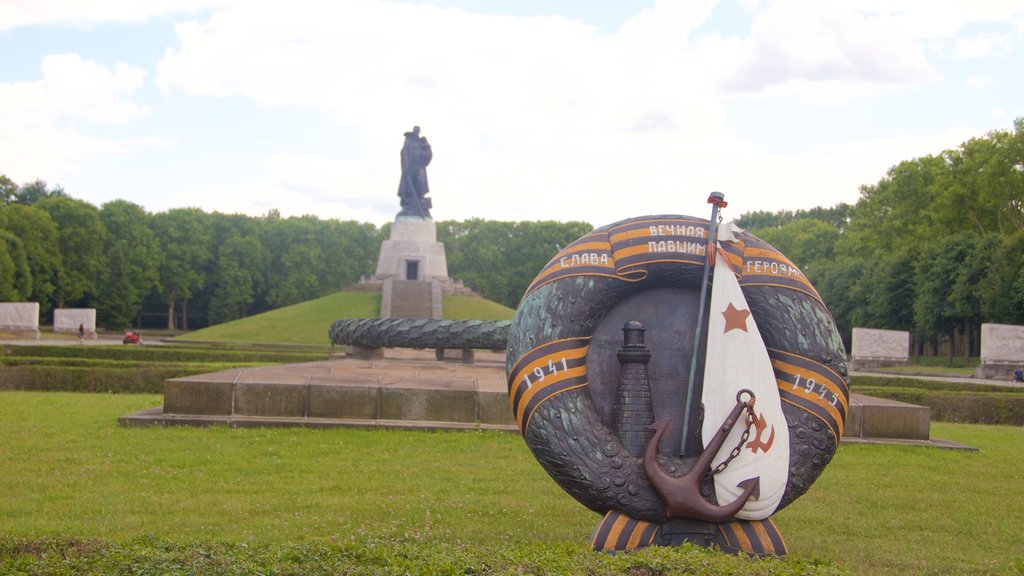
{"x":67,"y":321}
{"x":874,"y":348}
{"x":21,"y":318}
{"x":1002,"y":350}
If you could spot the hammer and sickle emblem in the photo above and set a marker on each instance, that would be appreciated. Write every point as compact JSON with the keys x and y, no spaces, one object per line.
{"x":758,"y":444}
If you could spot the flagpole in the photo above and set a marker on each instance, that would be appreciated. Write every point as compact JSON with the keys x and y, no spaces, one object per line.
{"x":717,"y":201}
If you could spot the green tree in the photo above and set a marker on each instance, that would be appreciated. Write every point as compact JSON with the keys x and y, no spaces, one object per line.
{"x":805,"y":241}
{"x":133,"y":267}
{"x":81,"y":237}
{"x":7,"y":189}
{"x":946,"y":277}
{"x":240,"y":262}
{"x":41,"y":245}
{"x":982,"y":188}
{"x":349,"y":250}
{"x":500,"y":259}
{"x":184,"y":237}
{"x":1002,"y":290}
{"x":15,"y":276}
{"x":294,"y":260}
{"x":35,"y":191}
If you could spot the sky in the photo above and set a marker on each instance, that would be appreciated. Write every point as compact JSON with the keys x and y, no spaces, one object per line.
{"x":573,"y":110}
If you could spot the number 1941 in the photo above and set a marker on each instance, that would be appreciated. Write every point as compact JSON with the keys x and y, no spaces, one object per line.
{"x":541,"y":372}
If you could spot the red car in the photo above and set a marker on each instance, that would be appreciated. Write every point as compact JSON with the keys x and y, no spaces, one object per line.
{"x":132,"y":338}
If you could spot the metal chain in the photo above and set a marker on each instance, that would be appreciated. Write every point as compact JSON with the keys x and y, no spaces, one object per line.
{"x":748,"y":408}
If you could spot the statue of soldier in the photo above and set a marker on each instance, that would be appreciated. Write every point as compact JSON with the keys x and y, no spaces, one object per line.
{"x":412,"y":190}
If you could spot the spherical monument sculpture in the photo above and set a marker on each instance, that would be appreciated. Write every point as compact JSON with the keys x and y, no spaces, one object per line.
{"x":681,"y":378}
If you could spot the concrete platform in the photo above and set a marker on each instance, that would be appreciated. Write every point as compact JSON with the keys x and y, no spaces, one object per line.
{"x":405,"y":389}
{"x":411,"y":389}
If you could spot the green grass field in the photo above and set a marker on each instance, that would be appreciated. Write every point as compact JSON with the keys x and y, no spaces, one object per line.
{"x":276,"y":496}
{"x":307,"y":322}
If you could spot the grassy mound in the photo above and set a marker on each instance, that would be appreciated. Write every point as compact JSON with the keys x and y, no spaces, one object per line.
{"x":307,"y":323}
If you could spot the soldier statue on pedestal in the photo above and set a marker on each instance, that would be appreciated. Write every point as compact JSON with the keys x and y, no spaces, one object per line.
{"x":412,"y":190}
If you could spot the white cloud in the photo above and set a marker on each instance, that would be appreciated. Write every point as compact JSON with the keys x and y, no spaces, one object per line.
{"x":530,"y":118}
{"x":979,"y":82}
{"x":15,"y":14}
{"x":519,"y":110}
{"x":982,"y":45}
{"x":39,"y":119}
{"x":815,"y":43}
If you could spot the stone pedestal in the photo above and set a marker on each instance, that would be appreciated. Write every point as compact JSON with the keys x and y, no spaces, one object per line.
{"x":412,"y":252}
{"x":875,"y":348}
{"x":67,"y":321}
{"x":1002,"y":350}
{"x":20,"y":318}
{"x":411,"y":270}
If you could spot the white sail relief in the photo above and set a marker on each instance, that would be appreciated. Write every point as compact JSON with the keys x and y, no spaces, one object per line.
{"x":737,"y":359}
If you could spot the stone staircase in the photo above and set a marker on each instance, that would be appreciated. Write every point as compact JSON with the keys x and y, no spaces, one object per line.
{"x":411,"y":299}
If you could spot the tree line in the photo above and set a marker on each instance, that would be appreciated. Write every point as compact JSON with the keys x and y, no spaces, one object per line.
{"x":196,"y":268}
{"x":935,"y":247}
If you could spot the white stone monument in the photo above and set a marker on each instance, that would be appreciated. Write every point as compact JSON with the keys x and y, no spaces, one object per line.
{"x":412,"y":252}
{"x":67,"y":321}
{"x":1002,"y":350}
{"x":20,"y":318}
{"x":873,"y":348}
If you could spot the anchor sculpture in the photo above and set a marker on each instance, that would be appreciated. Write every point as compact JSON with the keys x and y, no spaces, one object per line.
{"x":682,"y":496}
{"x":669,"y":458}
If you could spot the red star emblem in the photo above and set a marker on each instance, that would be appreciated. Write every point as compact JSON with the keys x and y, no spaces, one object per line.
{"x":735,"y":318}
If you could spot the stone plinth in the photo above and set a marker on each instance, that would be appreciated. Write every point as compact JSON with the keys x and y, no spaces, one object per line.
{"x":1002,"y":350}
{"x":871,"y":417}
{"x":873,"y":348}
{"x":412,"y":252}
{"x":67,"y":321}
{"x":21,"y":318}
{"x":405,"y":390}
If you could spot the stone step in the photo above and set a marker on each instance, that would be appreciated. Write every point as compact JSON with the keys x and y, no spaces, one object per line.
{"x":871,"y":417}
{"x":411,"y":299}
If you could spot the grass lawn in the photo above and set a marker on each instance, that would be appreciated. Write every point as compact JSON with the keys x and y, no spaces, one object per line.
{"x":70,"y":472}
{"x":307,"y":323}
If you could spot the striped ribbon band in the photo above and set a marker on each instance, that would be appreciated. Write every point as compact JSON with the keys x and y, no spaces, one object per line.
{"x":764,"y":266}
{"x":545,"y":371}
{"x":617,"y":532}
{"x":622,"y":251}
{"x":760,"y":537}
{"x":813,"y":387}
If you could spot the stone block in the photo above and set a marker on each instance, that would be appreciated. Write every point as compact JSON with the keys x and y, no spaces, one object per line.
{"x":352,"y":402}
{"x":270,"y":399}
{"x":21,"y":318}
{"x":1002,"y":351}
{"x":195,"y":397}
{"x":67,"y":321}
{"x":1002,"y":344}
{"x":434,"y":405}
{"x":493,"y":408}
{"x":879,"y":348}
{"x":854,"y":419}
{"x":883,"y":418}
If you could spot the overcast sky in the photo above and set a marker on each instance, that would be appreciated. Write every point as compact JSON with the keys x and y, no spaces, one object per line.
{"x":592,"y":110}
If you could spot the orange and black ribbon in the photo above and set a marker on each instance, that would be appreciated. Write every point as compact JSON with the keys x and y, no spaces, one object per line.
{"x":544,"y":372}
{"x":813,"y":387}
